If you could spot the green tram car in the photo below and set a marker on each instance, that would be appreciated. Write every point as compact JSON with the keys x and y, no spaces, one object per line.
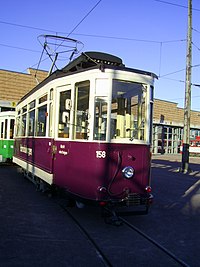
{"x":7,"y":122}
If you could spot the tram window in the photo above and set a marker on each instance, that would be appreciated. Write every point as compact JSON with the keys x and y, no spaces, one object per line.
{"x":64,"y":114}
{"x":50,"y":119}
{"x":2,"y":124}
{"x":51,"y":94}
{"x":32,"y":105}
{"x":12,"y":122}
{"x":23,"y":125}
{"x":18,"y":126}
{"x":6,"y":129}
{"x":128,"y":110}
{"x":81,"y":111}
{"x":100,"y":123}
{"x":41,"y":121}
{"x":24,"y":109}
{"x":31,"y":125}
{"x":43,"y":99}
{"x":50,"y":113}
{"x":151,"y":112}
{"x":31,"y":119}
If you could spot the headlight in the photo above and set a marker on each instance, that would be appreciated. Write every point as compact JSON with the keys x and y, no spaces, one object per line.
{"x":128,"y":172}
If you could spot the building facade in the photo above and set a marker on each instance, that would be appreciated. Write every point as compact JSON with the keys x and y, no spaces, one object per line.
{"x":168,"y":127}
{"x":167,"y":116}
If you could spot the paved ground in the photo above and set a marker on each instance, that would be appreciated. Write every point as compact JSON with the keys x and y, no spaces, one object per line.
{"x":34,"y":231}
{"x":176,"y":160}
{"x":177,"y":206}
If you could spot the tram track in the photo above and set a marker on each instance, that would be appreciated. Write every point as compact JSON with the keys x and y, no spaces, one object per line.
{"x":154,"y":242}
{"x":100,"y":254}
{"x":106,"y":259}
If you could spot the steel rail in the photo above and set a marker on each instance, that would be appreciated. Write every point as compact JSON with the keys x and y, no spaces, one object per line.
{"x":166,"y":251}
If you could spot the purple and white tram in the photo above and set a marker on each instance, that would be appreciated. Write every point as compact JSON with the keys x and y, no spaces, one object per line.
{"x":87,"y":128}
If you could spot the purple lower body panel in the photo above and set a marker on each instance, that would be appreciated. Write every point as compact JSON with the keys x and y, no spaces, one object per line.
{"x":89,"y":170}
{"x":94,"y":170}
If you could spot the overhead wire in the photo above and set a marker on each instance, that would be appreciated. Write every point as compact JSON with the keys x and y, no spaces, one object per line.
{"x":194,"y":66}
{"x":41,"y":29}
{"x":25,"y":26}
{"x":102,"y":36}
{"x":91,"y":35}
{"x":109,"y":37}
{"x":174,"y":72}
{"x":20,"y":48}
{"x":182,"y":6}
{"x":195,"y":30}
{"x":84,"y":18}
{"x":173,"y":4}
{"x":60,"y":44}
{"x":88,"y":13}
{"x":170,"y":3}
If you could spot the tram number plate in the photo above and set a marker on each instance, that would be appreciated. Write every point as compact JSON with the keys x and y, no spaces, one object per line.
{"x":100,"y":154}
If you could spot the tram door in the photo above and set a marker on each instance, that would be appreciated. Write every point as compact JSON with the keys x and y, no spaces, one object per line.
{"x":6,"y":138}
{"x":72,"y":134}
{"x":63,"y":131}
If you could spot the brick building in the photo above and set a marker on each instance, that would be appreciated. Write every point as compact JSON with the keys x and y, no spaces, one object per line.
{"x":13,"y":85}
{"x":167,"y":119}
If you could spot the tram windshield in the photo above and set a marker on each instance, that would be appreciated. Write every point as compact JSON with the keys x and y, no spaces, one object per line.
{"x":128,"y":110}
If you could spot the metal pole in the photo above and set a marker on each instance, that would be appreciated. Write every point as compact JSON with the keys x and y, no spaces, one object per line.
{"x":186,"y":129}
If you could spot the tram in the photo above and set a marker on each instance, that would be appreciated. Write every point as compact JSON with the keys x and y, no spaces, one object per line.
{"x":87,"y":129}
{"x":7,"y":121}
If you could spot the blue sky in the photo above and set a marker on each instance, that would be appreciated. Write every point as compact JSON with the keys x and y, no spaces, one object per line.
{"x":147,"y":34}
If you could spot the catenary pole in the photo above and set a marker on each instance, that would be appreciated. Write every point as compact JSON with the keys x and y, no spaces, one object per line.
{"x":186,"y":130}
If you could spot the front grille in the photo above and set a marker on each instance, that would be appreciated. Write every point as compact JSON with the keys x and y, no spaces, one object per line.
{"x":133,"y":200}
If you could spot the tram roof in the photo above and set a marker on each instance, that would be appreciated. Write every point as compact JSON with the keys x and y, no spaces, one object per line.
{"x":86,"y":61}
